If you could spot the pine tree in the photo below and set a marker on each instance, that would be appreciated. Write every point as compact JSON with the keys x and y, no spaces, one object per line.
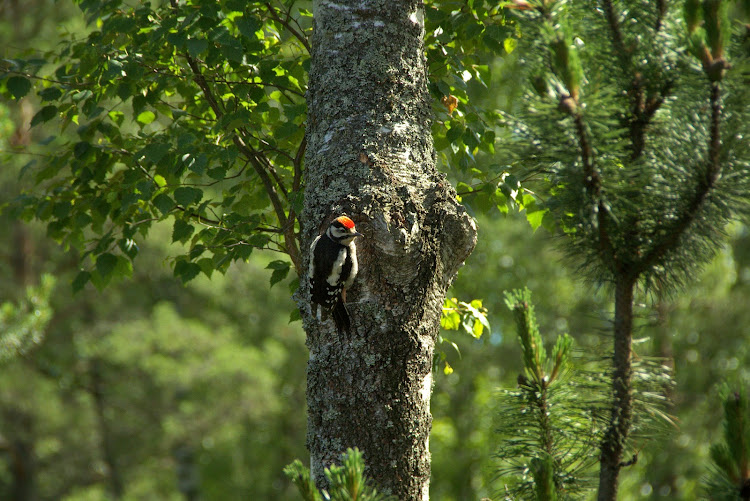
{"x":552,"y":423}
{"x":730,"y":477}
{"x":636,"y":128}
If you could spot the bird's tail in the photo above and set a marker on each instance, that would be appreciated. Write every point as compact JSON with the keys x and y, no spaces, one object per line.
{"x":341,"y":317}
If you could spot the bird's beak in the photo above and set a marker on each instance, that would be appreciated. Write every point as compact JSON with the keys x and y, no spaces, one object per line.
{"x":357,"y":234}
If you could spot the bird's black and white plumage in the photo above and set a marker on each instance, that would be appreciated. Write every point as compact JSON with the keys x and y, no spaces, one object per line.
{"x":333,"y":266}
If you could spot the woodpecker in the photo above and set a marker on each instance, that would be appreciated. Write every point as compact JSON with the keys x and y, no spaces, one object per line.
{"x":333,"y":266}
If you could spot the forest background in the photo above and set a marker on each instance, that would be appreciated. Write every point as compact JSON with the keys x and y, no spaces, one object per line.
{"x":159,"y":390}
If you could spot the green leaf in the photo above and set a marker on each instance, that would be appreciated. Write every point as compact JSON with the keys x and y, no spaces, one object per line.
{"x":50,"y":94}
{"x":117,"y":117}
{"x":456,"y":130}
{"x":197,"y":164}
{"x":293,"y":284}
{"x":123,"y":267}
{"x":248,"y":26}
{"x":154,"y":152}
{"x":450,"y":321}
{"x":280,"y":270}
{"x":207,"y":266}
{"x":82,"y":278}
{"x":18,"y":86}
{"x":535,"y":218}
{"x":105,"y":264}
{"x":44,"y":115}
{"x":186,"y":195}
{"x":509,"y":44}
{"x":163,"y":203}
{"x":80,"y":149}
{"x":196,"y":46}
{"x":181,"y":231}
{"x":146,"y":117}
{"x":294,"y":316}
{"x":186,"y":271}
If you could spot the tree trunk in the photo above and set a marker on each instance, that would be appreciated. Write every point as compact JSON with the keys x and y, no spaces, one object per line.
{"x":370,"y":155}
{"x":613,"y":444}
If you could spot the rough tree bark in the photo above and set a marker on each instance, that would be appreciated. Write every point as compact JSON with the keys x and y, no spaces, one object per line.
{"x":370,"y":155}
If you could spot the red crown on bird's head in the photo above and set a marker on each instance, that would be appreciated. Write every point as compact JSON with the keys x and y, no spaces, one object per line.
{"x":348,"y":223}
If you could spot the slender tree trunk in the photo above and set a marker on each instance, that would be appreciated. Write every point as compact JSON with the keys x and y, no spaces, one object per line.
{"x":18,"y":446}
{"x":115,"y":484}
{"x":370,"y":155}
{"x":187,"y":468}
{"x":619,"y":426}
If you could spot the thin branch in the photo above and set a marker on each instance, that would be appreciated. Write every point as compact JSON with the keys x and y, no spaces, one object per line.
{"x":217,"y":224}
{"x":298,"y":158}
{"x":276,"y":177}
{"x":593,"y":184}
{"x":268,"y":148}
{"x":617,"y":39}
{"x":296,"y":182}
{"x":705,"y":184}
{"x":290,"y":238}
{"x":643,"y":112}
{"x":191,"y":115}
{"x":296,"y":22}
{"x":213,"y":223}
{"x":661,"y":6}
{"x":224,"y":80}
{"x":146,"y":220}
{"x":74,"y":85}
{"x":299,"y":36}
{"x":212,"y":183}
{"x":247,"y":150}
{"x":642,"y":109}
{"x":282,"y":88}
{"x":201,"y":81}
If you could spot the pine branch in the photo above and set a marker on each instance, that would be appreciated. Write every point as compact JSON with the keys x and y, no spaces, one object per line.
{"x":730,"y":475}
{"x":617,"y":38}
{"x":643,"y":112}
{"x":661,"y":7}
{"x":705,"y":184}
{"x":642,"y":108}
{"x":548,"y":405}
{"x":593,"y":183}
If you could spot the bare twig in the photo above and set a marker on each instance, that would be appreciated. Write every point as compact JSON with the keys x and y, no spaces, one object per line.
{"x":285,"y":23}
{"x":50,"y":80}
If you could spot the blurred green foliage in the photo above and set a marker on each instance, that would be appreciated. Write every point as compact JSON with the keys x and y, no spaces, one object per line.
{"x":22,"y":326}
{"x":151,"y":390}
